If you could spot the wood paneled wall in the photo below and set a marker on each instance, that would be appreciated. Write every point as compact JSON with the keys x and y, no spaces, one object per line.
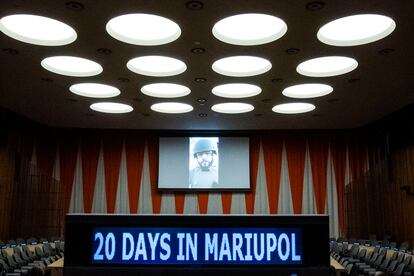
{"x":31,"y":204}
{"x":376,"y":202}
{"x":402,"y":193}
{"x":6,"y":188}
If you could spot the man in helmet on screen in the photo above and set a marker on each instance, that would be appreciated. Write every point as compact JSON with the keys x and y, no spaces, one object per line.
{"x":205,"y":175}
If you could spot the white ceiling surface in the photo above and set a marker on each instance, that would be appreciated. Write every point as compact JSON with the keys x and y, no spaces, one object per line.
{"x":381,"y":84}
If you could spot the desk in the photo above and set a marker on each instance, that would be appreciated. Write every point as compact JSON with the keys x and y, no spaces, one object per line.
{"x":56,"y":267}
{"x":338,"y":267}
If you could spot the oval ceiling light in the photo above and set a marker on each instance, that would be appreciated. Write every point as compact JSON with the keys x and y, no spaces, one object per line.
{"x":37,"y":30}
{"x":232,"y":108}
{"x":241,"y":66}
{"x":327,"y":66}
{"x":165,"y":90}
{"x":156,"y":66}
{"x":171,"y":107}
{"x":236,"y":90}
{"x":109,"y":107}
{"x":249,"y":29}
{"x":356,"y":30}
{"x":293,"y":108}
{"x":94,"y":90}
{"x":72,"y":66}
{"x":143,"y":29}
{"x":307,"y":90}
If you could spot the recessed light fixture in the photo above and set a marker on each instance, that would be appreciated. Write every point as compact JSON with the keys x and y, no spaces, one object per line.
{"x":236,"y":90}
{"x":327,"y":66}
{"x":165,"y":90}
{"x":72,"y":66}
{"x":109,"y":107}
{"x":94,"y":90}
{"x":37,"y":30}
{"x":241,"y":66}
{"x":307,"y":90}
{"x":232,"y":108}
{"x":143,"y":29}
{"x":172,"y":107}
{"x":293,"y":108}
{"x":356,"y":30}
{"x":74,"y":6}
{"x":201,"y":101}
{"x":249,"y":29}
{"x":199,"y":80}
{"x":194,"y":5}
{"x":156,"y":66}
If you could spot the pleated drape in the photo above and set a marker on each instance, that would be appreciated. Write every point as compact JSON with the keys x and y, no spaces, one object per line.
{"x":295,"y":148}
{"x":289,"y":174}
{"x":254,"y":163}
{"x":338,"y":151}
{"x":134,"y":147}
{"x":272,"y":152}
{"x":90,"y":147}
{"x":112,"y":147}
{"x":318,"y":149}
{"x":153,"y":149}
{"x":68,"y":145}
{"x":46,"y":147}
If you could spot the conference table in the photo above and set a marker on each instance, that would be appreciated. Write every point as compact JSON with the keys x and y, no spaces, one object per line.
{"x":338,"y":267}
{"x":56,"y":267}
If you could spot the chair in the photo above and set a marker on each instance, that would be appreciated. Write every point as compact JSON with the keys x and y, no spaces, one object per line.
{"x":383,"y":251}
{"x":15,"y":267}
{"x":7,"y":270}
{"x":349,"y":254}
{"x":43,"y":240}
{"x":32,"y":240}
{"x":400,"y":257}
{"x":42,"y":256}
{"x":49,"y":252}
{"x":349,"y":268}
{"x":410,"y":268}
{"x":12,"y":243}
{"x":29,"y":253}
{"x":375,"y":266}
{"x":20,"y":241}
{"x":3,"y":253}
{"x":366,"y":262}
{"x":407,"y":260}
{"x":392,"y":267}
{"x":55,"y":239}
{"x":399,"y":270}
{"x":394,"y":256}
{"x":405,"y":245}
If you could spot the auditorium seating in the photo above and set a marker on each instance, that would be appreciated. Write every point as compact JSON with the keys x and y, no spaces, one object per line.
{"x":373,"y":258}
{"x":20,"y":257}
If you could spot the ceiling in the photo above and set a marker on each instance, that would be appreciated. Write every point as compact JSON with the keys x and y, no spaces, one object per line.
{"x":382,"y":83}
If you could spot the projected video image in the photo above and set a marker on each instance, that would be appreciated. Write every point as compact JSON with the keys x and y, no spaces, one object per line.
{"x":203,"y":162}
{"x":192,"y":163}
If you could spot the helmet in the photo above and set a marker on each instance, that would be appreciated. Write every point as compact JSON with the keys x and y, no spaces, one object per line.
{"x":204,"y":145}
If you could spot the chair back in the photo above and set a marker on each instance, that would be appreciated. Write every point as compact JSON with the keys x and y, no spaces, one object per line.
{"x":399,"y":270}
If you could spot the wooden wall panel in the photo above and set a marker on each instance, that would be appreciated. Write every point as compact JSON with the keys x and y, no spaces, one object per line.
{"x":30,"y":202}
{"x":376,"y":202}
{"x":402,"y":171}
{"x":6,"y":184}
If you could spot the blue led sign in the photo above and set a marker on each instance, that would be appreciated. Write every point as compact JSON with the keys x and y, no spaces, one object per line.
{"x":188,"y":246}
